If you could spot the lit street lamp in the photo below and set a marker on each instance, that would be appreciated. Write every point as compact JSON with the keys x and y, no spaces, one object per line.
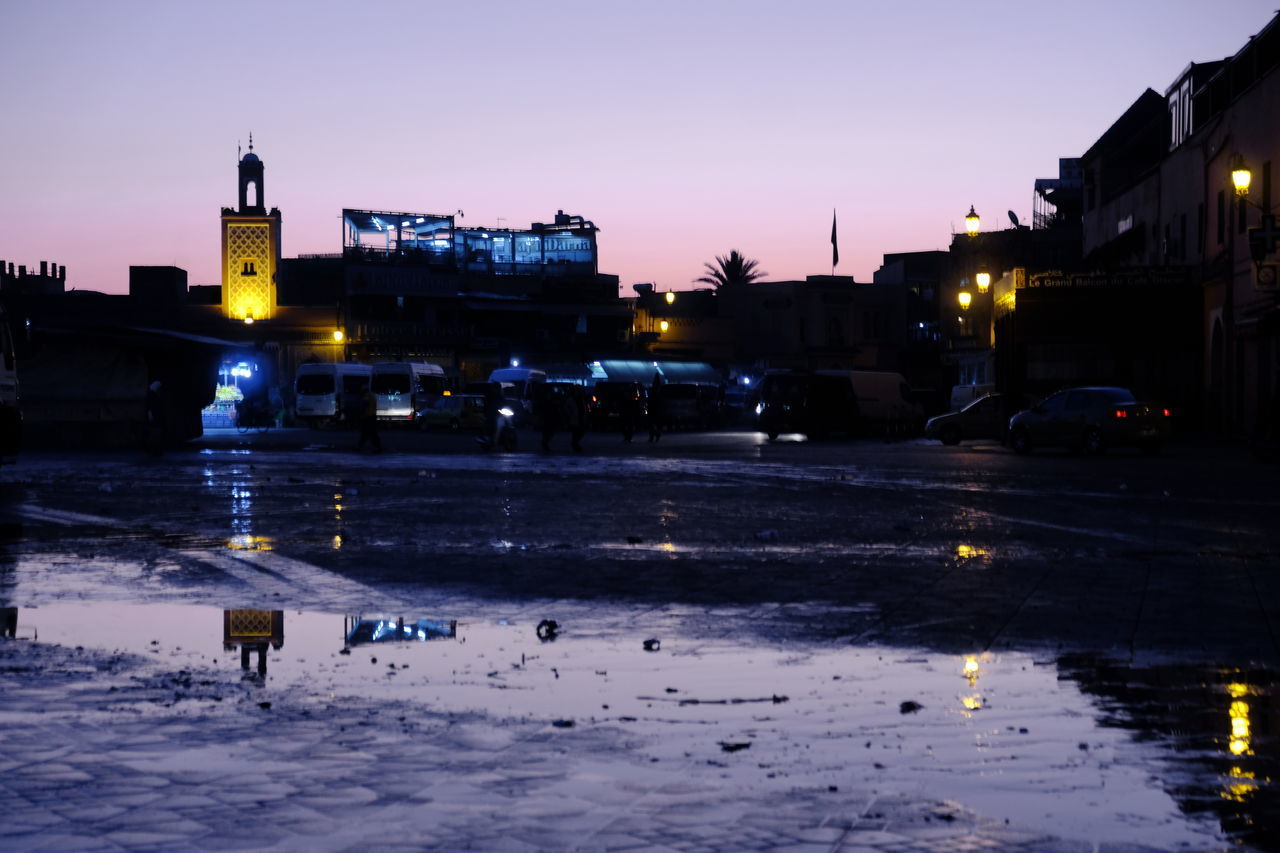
{"x":984,"y":281}
{"x":972,"y":222}
{"x":1241,"y":177}
{"x":965,"y":298}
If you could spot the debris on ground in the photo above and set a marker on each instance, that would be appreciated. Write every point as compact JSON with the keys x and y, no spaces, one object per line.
{"x":909,"y":707}
{"x":733,"y":747}
{"x":652,"y":645}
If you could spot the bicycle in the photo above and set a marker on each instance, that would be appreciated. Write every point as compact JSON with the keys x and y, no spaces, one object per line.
{"x":251,"y":417}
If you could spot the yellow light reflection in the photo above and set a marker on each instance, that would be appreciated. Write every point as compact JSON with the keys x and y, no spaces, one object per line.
{"x":668,"y":547}
{"x":246,"y":542}
{"x":972,"y":703}
{"x":968,"y":552}
{"x":1241,"y":729}
{"x":971,"y":670}
{"x":1241,"y":786}
{"x":337,"y":543}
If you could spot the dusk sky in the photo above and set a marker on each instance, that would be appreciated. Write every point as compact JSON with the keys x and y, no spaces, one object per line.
{"x":681,"y":129}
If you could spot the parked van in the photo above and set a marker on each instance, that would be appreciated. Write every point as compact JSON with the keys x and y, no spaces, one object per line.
{"x":330,"y":392}
{"x":404,"y":387}
{"x":691,"y":405}
{"x":885,"y":401}
{"x":816,"y":404}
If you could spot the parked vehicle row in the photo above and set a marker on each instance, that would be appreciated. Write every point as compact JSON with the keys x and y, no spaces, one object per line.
{"x":330,"y":392}
{"x":1086,"y":420}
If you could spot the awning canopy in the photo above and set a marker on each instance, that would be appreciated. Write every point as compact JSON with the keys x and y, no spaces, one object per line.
{"x":628,"y":370}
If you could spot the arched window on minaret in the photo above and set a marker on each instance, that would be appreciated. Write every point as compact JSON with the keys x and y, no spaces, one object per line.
{"x":251,"y":186}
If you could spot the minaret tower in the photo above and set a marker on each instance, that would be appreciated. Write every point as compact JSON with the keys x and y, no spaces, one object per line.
{"x":250,"y":248}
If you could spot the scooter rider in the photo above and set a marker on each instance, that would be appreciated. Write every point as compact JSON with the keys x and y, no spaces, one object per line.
{"x":492,"y":413}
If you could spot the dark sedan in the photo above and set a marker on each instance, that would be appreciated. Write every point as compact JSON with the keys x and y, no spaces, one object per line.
{"x":985,"y":417}
{"x":1090,"y":420}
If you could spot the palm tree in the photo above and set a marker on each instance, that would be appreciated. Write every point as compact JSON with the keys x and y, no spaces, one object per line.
{"x":730,"y":270}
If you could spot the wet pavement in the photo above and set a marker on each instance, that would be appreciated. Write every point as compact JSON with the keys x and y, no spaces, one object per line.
{"x":271,"y":642}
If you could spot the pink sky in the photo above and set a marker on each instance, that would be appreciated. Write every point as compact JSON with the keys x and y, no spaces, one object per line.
{"x":682,"y":129}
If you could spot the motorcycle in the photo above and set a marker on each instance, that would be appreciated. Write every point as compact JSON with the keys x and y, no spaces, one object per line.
{"x":503,"y":436}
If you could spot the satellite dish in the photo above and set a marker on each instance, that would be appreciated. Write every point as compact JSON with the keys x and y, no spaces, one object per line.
{"x":1013,"y":217}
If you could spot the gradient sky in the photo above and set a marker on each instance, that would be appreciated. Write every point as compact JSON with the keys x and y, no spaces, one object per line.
{"x":681,"y":129}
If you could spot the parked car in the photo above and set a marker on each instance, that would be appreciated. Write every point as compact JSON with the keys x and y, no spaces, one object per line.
{"x":614,"y":402}
{"x":1090,"y":420}
{"x":985,"y":417}
{"x":454,"y":412}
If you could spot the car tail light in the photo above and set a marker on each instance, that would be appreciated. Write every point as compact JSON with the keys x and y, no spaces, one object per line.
{"x":1166,"y":412}
{"x":1121,"y":413}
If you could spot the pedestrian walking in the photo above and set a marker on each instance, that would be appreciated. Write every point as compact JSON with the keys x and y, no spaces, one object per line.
{"x":369,"y":421}
{"x":657,"y":407}
{"x":629,"y":410}
{"x":492,"y":422}
{"x":576,"y":415}
{"x":153,"y":440}
{"x":548,"y":407}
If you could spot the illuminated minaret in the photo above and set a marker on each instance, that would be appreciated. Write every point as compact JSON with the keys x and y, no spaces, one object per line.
{"x":250,"y":248}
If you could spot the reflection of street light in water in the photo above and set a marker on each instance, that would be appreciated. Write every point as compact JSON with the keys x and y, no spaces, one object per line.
{"x":971,"y":669}
{"x":1241,"y":740}
{"x":971,"y":672}
{"x":1243,"y":783}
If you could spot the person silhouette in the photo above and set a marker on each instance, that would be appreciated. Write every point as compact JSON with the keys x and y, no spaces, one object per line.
{"x":369,"y":421}
{"x":657,"y":407}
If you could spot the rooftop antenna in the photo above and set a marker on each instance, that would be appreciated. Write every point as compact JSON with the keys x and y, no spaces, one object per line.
{"x":1013,"y":217}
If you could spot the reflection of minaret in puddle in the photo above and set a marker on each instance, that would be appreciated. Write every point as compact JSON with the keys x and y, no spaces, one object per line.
{"x":9,"y":621}
{"x":253,"y":630}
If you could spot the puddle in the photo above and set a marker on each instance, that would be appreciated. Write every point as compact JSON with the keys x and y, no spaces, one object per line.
{"x":1006,"y":735}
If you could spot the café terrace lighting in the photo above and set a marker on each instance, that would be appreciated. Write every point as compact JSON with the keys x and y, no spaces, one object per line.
{"x":972,"y":222}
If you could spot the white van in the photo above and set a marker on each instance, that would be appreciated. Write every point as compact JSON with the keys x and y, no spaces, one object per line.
{"x":885,"y":401}
{"x":404,"y":387}
{"x":330,"y":392}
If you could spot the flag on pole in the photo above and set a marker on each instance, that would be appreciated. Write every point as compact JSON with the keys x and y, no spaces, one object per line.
{"x":835,"y":247}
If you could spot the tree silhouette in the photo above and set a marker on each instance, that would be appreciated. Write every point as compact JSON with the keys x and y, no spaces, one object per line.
{"x":731,"y":270}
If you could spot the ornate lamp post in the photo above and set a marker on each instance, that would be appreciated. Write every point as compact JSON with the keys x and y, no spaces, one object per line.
{"x":972,"y":222}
